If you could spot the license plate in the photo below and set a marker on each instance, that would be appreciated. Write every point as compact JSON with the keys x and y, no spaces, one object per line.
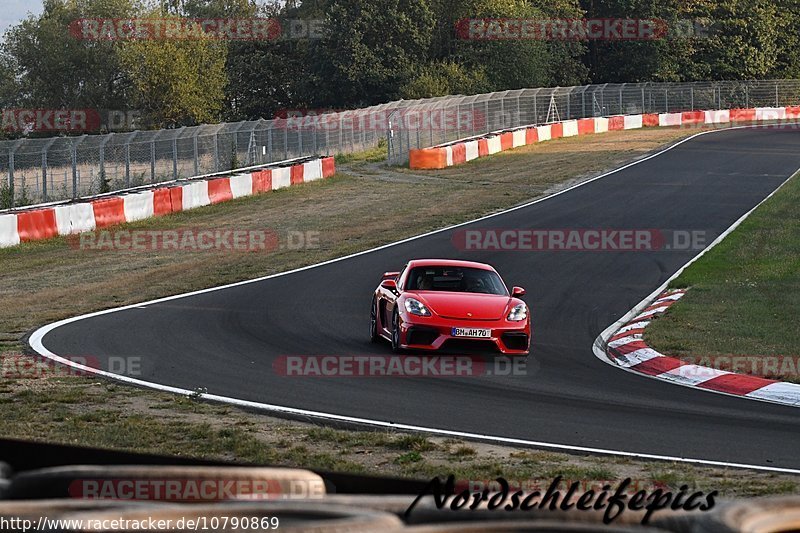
{"x":472,"y":332}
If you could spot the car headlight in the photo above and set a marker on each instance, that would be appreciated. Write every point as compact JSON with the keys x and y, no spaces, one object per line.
{"x":415,"y":307}
{"x":519,"y":313}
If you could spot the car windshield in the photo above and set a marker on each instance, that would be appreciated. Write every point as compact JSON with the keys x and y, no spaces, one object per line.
{"x":455,"y":279}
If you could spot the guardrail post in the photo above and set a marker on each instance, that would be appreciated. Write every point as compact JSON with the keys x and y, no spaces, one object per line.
{"x":11,"y":175}
{"x":11,"y":168}
{"x":569,"y":106}
{"x":269,"y":142}
{"x":153,"y":161}
{"x":300,"y":140}
{"x":430,"y":128}
{"x":196,"y":152}
{"x":103,"y":155}
{"x":216,"y":151}
{"x":44,"y":174}
{"x":583,"y":103}
{"x":175,"y":158}
{"x":127,"y":164}
{"x":74,"y":156}
{"x":175,"y":153}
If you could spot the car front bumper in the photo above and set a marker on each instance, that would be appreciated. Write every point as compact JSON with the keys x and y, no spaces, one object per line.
{"x":435,"y":334}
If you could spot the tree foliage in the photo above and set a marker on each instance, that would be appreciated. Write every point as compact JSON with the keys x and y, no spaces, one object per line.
{"x":175,"y":82}
{"x":374,"y":51}
{"x":55,"y":69}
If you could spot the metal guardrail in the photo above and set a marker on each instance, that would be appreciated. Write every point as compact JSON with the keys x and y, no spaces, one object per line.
{"x":59,"y":168}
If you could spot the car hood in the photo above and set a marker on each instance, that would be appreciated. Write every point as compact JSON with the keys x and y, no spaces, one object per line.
{"x":467,"y":306}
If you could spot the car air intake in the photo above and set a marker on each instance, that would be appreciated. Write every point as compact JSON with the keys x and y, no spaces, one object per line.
{"x":421,"y":336}
{"x":515,"y":341}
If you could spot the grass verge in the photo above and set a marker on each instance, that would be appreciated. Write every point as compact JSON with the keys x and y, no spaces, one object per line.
{"x":745,"y":296}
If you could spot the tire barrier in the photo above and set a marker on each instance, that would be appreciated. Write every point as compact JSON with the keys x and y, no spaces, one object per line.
{"x":77,"y":498}
{"x":763,"y":515}
{"x":39,"y":222}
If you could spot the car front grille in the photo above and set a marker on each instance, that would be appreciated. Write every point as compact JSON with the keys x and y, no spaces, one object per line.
{"x":469,"y":346}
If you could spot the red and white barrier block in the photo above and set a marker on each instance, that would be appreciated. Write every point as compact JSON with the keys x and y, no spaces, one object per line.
{"x":450,"y":154}
{"x":627,"y":349}
{"x":34,"y":224}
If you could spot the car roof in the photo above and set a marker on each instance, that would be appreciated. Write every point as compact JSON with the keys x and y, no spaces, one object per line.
{"x":448,"y":263}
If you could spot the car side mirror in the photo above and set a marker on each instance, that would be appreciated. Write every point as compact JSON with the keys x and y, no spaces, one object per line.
{"x":390,"y":275}
{"x":517,"y":291}
{"x":389,"y":284}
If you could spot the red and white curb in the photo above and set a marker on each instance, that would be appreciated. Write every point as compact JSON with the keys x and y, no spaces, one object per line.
{"x":627,"y":349}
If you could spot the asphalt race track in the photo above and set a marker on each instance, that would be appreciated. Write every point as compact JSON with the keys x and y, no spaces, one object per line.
{"x":227,"y":340}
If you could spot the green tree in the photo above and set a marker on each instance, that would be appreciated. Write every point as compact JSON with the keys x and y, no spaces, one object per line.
{"x":370,"y":49}
{"x":706,"y":39}
{"x":507,"y":63}
{"x":56,"y":69}
{"x":442,"y":78}
{"x":9,"y":87}
{"x":176,"y":82}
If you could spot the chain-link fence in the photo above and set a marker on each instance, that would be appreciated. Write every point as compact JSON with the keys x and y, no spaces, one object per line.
{"x":60,"y":168}
{"x":41,"y":170}
{"x":435,"y":122}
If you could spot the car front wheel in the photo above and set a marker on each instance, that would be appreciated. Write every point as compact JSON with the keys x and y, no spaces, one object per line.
{"x":396,"y":332}
{"x":373,"y":321}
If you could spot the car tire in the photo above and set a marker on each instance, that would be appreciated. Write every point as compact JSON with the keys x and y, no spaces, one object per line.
{"x":396,"y":332}
{"x":373,"y":321}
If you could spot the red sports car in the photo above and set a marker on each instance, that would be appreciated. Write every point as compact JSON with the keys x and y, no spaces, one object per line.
{"x":453,"y":306}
